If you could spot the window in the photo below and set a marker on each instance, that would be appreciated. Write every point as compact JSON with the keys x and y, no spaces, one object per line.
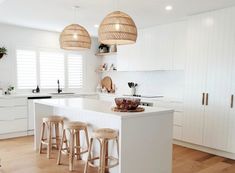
{"x":26,"y":69}
{"x":45,"y":68}
{"x":51,"y":69}
{"x":75,"y":71}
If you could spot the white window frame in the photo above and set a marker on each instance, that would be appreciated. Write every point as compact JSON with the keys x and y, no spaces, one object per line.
{"x":66,"y":54}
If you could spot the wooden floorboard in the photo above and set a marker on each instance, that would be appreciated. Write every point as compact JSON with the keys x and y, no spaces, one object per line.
{"x":18,"y":157}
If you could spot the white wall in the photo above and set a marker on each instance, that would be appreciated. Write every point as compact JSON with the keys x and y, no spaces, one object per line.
{"x":12,"y":37}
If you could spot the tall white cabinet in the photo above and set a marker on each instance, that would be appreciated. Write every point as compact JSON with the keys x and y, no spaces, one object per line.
{"x":231,"y":137}
{"x":211,"y":41}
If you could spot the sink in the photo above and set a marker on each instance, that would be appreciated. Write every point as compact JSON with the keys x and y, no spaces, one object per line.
{"x":63,"y":93}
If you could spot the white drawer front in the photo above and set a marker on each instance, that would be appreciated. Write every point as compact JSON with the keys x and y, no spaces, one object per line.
{"x":12,"y":113}
{"x":178,"y":118}
{"x":20,"y":102}
{"x":177,"y":132}
{"x":177,"y":106}
{"x":6,"y":102}
{"x":13,"y":102}
{"x":19,"y":125}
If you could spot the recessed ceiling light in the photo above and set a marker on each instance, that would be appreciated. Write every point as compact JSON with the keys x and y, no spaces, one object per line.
{"x":169,"y":8}
{"x":96,"y":26}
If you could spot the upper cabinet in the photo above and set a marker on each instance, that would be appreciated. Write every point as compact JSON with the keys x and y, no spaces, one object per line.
{"x":157,"y":48}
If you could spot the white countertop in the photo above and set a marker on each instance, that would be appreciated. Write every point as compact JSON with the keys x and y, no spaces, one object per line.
{"x":16,"y":95}
{"x":99,"y":106}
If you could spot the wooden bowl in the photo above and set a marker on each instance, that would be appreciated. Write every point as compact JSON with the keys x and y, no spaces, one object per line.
{"x":127,"y":103}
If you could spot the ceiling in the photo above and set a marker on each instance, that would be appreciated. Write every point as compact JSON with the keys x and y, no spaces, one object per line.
{"x":54,"y":15}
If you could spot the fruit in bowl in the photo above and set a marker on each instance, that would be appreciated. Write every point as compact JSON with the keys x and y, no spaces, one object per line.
{"x":127,"y":103}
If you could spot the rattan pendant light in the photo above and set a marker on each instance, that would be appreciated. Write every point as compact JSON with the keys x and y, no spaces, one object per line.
{"x":117,"y":28}
{"x":75,"y":37}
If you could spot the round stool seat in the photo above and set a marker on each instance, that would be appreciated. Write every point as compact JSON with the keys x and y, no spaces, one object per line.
{"x":75,"y":125}
{"x":53,"y":118}
{"x":105,"y":133}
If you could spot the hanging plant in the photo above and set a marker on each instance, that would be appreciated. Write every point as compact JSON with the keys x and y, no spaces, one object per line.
{"x":3,"y":51}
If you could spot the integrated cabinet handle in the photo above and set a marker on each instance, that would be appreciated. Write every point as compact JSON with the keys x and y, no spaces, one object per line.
{"x":232,"y":98}
{"x":203,"y":98}
{"x":207,"y":99}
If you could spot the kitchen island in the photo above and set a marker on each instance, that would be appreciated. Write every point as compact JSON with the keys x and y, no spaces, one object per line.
{"x":145,"y":137}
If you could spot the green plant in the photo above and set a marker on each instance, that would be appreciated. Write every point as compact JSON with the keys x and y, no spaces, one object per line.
{"x":3,"y":50}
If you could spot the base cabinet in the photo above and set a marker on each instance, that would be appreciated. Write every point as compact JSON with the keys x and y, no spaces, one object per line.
{"x":13,"y":117}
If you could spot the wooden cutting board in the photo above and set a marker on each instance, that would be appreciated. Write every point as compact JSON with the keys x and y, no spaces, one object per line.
{"x":106,"y":82}
{"x":139,"y":109}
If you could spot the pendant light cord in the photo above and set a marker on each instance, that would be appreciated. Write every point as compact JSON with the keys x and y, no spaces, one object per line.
{"x":75,"y":17}
{"x":115,"y":5}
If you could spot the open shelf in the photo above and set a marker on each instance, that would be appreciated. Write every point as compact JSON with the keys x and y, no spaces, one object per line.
{"x":105,"y":71}
{"x":106,"y":54}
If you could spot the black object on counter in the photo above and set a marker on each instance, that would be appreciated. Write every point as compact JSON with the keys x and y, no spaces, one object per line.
{"x":37,"y":90}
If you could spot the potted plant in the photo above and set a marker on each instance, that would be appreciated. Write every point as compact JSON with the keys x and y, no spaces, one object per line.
{"x":103,"y":48}
{"x":3,"y":51}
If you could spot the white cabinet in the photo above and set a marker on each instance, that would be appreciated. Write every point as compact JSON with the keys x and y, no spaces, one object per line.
{"x":209,"y":70}
{"x":13,"y":117}
{"x":158,"y":47}
{"x":178,"y":115}
{"x":219,"y":75}
{"x":161,"y":47}
{"x":131,"y":56}
{"x":179,"y":52}
{"x":231,"y":137}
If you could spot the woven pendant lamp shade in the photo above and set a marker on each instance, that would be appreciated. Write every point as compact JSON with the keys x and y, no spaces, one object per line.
{"x":75,"y":37}
{"x":117,"y":28}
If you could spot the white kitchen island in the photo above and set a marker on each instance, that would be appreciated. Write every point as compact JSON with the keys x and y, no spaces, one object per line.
{"x":145,"y":137}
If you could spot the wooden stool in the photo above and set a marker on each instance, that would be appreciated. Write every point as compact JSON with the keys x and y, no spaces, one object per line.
{"x":48,"y":123}
{"x":103,"y":136}
{"x":74,"y":148}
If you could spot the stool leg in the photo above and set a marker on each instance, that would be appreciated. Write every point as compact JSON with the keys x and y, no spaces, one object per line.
{"x":78,"y":143}
{"x":57,"y":135}
{"x":87,"y":138}
{"x":71,"y":150}
{"x":117,"y":141}
{"x":61,"y":147}
{"x":106,"y":156}
{"x":89,"y":155}
{"x":49,"y":147}
{"x":42,"y":137}
{"x":102,"y":157}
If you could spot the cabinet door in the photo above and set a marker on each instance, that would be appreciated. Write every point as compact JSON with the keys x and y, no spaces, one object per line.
{"x":219,"y":71}
{"x":130,"y":56}
{"x":180,"y":45}
{"x":231,"y":136}
{"x":195,"y":79}
{"x":158,"y":47}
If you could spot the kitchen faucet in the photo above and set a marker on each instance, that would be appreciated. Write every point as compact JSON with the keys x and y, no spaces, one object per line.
{"x":59,"y":89}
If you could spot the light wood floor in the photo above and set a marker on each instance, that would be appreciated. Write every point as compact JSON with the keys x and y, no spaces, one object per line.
{"x":18,"y":157}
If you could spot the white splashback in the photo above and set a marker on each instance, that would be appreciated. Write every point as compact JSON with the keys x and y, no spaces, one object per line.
{"x":167,"y":83}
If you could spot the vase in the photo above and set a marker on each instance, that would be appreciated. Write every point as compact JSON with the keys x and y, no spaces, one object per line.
{"x":1,"y":55}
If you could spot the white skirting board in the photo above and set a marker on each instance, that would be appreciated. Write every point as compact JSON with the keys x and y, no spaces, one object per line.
{"x":206,"y":149}
{"x":13,"y":135}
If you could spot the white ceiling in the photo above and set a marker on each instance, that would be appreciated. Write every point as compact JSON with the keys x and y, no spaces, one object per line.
{"x":54,"y":15}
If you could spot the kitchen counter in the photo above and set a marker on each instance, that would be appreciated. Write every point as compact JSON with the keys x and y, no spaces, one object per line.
{"x":18,"y":95}
{"x":145,"y":137}
{"x":99,"y":106}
